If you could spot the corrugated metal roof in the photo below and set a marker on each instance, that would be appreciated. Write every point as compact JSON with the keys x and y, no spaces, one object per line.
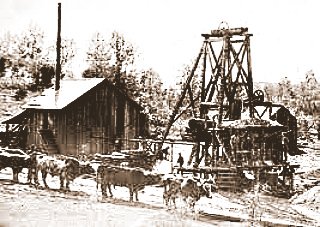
{"x":70,"y":90}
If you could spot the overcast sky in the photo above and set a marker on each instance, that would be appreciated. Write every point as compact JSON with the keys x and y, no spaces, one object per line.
{"x":167,"y":33}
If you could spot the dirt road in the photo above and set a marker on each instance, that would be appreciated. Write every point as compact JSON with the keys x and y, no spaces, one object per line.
{"x":22,"y":205}
{"x":31,"y":208}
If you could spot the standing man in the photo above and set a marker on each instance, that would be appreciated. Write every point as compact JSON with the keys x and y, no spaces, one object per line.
{"x":180,"y":162}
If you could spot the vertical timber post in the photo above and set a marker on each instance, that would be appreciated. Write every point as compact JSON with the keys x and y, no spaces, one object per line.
{"x":203,"y":85}
{"x":223,"y":79}
{"x":58,"y":63}
{"x":249,"y":79}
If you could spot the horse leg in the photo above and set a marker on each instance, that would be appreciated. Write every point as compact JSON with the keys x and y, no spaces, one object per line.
{"x":192,"y":204}
{"x":185,"y":200}
{"x":61,"y":183}
{"x":97,"y":184}
{"x":67,"y":183}
{"x":165,"y":194}
{"x":32,"y":174}
{"x":174,"y":202}
{"x":193,"y":210}
{"x":36,"y":182}
{"x":15,"y":175}
{"x":165,"y":198}
{"x":62,"y":178}
{"x":131,"y":192}
{"x":103,"y":190}
{"x":29,"y":176}
{"x":44,"y":176}
{"x":109,"y":188}
{"x":35,"y":175}
{"x":136,"y":192}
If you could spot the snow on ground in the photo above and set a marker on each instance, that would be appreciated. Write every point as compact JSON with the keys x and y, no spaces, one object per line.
{"x":220,"y":205}
{"x":308,"y":162}
{"x":308,"y":203}
{"x":302,"y":210}
{"x":30,"y":209}
{"x":24,"y":205}
{"x":162,"y":167}
{"x":307,"y":182}
{"x":308,"y":197}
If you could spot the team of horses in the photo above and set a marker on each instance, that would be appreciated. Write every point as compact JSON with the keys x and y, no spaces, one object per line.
{"x":67,"y":169}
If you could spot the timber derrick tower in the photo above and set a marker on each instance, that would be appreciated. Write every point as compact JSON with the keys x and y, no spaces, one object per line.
{"x":229,"y":77}
{"x":234,"y":131}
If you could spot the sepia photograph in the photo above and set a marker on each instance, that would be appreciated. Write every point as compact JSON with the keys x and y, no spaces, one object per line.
{"x":158,"y":113}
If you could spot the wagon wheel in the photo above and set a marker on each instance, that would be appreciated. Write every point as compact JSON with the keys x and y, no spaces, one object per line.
{"x":258,"y":95}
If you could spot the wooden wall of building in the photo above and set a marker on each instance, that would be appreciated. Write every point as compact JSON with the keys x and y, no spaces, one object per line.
{"x":90,"y":124}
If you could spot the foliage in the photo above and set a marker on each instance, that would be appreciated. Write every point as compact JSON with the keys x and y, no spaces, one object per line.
{"x":30,"y":48}
{"x":98,"y":57}
{"x":190,"y":108}
{"x":122,"y":55}
{"x":150,"y":97}
{"x":20,"y":94}
{"x":303,"y":98}
{"x":68,"y":52}
{"x":113,"y":60}
{"x":25,"y":58}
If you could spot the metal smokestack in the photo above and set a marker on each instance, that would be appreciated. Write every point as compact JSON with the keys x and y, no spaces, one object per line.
{"x":58,"y":64}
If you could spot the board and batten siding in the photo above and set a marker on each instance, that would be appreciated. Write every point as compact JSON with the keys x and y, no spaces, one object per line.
{"x":91,"y":123}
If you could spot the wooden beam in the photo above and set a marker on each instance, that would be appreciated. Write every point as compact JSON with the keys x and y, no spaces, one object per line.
{"x":58,"y":63}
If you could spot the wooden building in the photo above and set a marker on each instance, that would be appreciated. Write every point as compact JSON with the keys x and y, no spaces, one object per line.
{"x":85,"y":116}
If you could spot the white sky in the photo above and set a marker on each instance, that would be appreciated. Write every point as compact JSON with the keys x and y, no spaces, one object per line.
{"x":167,"y":33}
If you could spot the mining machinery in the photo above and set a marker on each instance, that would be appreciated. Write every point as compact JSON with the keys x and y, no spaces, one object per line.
{"x":238,"y":137}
